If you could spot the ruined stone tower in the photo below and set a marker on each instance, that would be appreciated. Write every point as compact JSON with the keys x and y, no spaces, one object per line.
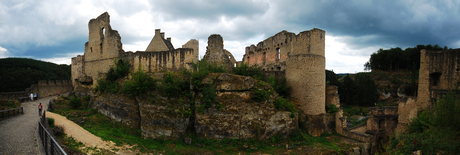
{"x":305,"y":71}
{"x":103,"y":46}
{"x":302,"y":59}
{"x":215,"y":52}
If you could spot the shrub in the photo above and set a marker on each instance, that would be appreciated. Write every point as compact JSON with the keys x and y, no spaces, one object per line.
{"x":75,"y":102}
{"x":260,"y":95}
{"x":58,"y":130}
{"x":209,"y":94}
{"x":203,"y":68}
{"x":280,"y":86}
{"x":284,"y":104}
{"x":140,"y":84}
{"x":107,"y":86}
{"x":422,"y":122}
{"x":332,"y":109}
{"x":121,"y":69}
{"x":51,"y":122}
{"x":245,"y":70}
{"x":175,"y":86}
{"x":447,"y":110}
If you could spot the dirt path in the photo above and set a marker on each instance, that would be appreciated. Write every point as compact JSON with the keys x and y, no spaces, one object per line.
{"x":84,"y":136}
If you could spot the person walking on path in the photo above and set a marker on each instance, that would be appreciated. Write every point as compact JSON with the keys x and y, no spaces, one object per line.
{"x":31,"y":96}
{"x":40,"y":107}
{"x":35,"y":96}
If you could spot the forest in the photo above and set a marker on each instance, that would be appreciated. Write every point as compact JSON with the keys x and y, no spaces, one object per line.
{"x":397,"y":59}
{"x":17,"y":74}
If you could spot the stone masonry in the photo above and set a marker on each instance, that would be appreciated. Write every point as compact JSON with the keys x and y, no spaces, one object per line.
{"x":215,"y":53}
{"x":104,"y":47}
{"x":302,"y":57}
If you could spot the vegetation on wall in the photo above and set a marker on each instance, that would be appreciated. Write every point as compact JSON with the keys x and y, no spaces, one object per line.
{"x":17,"y":74}
{"x":433,"y":131}
{"x":109,"y":84}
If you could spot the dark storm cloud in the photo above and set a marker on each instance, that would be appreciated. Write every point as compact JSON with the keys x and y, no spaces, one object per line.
{"x":209,"y":10}
{"x":390,"y":23}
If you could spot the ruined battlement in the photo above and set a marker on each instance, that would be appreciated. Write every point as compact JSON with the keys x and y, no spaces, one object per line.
{"x":439,"y":72}
{"x":104,"y":47}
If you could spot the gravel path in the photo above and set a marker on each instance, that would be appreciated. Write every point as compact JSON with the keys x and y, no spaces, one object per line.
{"x":18,"y":134}
{"x":88,"y":139}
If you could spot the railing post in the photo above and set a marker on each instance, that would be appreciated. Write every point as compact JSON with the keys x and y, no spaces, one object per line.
{"x":52,"y":148}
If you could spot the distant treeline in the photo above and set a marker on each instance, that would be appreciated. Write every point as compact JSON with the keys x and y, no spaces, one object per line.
{"x":17,"y":74}
{"x":397,"y":59}
{"x":361,"y":91}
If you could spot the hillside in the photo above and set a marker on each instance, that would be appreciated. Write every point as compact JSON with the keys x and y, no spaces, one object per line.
{"x":17,"y":74}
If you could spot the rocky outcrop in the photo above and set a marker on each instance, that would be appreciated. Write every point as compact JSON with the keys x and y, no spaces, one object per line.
{"x":121,"y":108}
{"x":164,"y":118}
{"x":235,"y":115}
{"x":232,"y":114}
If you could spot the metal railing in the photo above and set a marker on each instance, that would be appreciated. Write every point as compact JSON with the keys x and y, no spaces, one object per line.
{"x":11,"y":112}
{"x":50,"y":145}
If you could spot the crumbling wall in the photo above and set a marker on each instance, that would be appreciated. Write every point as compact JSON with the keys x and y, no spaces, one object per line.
{"x":215,"y":52}
{"x":165,"y":60}
{"x":193,"y":44}
{"x":271,"y":53}
{"x":78,"y":68}
{"x":103,"y":47}
{"x":439,"y":72}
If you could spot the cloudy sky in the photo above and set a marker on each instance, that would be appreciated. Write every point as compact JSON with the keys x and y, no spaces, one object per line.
{"x":56,"y":30}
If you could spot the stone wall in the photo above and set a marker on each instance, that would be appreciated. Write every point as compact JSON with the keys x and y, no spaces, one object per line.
{"x":439,"y":72}
{"x":43,"y":89}
{"x":165,"y":60}
{"x":104,"y":47}
{"x":305,"y":71}
{"x":302,"y":58}
{"x":216,"y":54}
{"x":332,"y":96}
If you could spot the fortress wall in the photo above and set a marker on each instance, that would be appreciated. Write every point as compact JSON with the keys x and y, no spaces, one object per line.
{"x":266,"y":52}
{"x":77,"y":69}
{"x":439,"y":72}
{"x":332,"y":96}
{"x":43,"y":89}
{"x":164,"y":60}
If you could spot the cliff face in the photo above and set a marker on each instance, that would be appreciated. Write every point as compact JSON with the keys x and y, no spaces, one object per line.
{"x":237,"y":115}
{"x":232,"y":114}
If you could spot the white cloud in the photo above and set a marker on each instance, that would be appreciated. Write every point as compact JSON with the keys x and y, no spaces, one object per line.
{"x":342,"y":59}
{"x":3,"y":52}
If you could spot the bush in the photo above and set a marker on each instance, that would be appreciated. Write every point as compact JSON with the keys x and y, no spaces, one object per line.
{"x":75,"y":102}
{"x":58,"y":130}
{"x":175,"y":86}
{"x":447,"y":110}
{"x":423,"y":121}
{"x":120,"y":70}
{"x":253,"y":72}
{"x":107,"y":86}
{"x":260,"y":95}
{"x":51,"y":122}
{"x":332,"y":109}
{"x":140,"y":84}
{"x":284,"y":104}
{"x":280,"y":86}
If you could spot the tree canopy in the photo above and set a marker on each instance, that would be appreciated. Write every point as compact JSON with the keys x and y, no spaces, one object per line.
{"x":397,"y":59}
{"x":17,"y":74}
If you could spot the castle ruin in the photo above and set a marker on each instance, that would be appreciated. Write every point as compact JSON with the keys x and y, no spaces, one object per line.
{"x":299,"y":58}
{"x":104,"y":47}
